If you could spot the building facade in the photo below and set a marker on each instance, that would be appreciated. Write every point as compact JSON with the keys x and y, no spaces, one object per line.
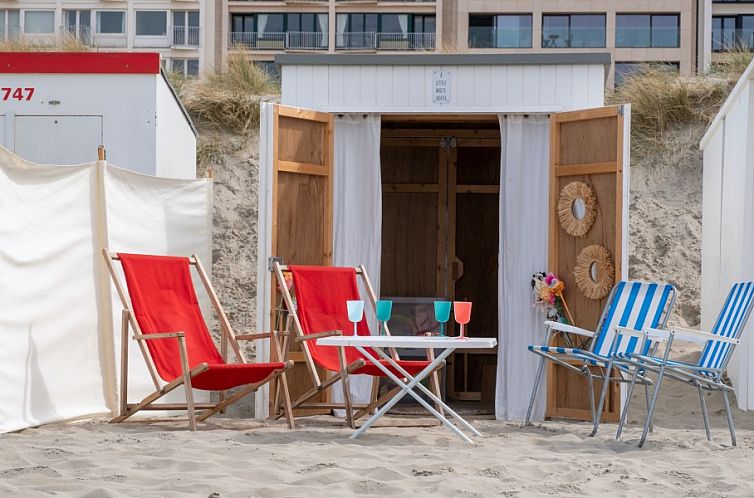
{"x":176,"y":29}
{"x":197,"y":35}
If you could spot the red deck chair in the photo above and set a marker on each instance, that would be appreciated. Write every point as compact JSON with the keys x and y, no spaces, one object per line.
{"x":162,"y":309}
{"x":321,"y":295}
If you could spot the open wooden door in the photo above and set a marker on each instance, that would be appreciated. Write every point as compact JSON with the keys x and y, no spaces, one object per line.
{"x":302,"y":216}
{"x":590,"y":147}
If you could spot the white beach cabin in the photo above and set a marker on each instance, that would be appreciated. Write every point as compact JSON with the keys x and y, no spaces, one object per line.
{"x":728,"y":220}
{"x":440,"y":173}
{"x":57,"y":108}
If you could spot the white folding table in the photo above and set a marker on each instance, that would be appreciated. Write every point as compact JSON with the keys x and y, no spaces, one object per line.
{"x":446,"y":344}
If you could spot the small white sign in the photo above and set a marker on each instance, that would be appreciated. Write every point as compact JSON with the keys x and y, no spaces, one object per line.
{"x":441,"y":87}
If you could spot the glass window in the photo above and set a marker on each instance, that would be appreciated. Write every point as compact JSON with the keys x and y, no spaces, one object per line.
{"x":151,"y":22}
{"x":243,"y":23}
{"x":666,"y":30}
{"x":394,"y":23}
{"x":111,"y":22}
{"x":192,"y":67}
{"x":270,"y":23}
{"x":39,"y":21}
{"x":513,"y":31}
{"x":193,"y":18}
{"x":746,"y":32}
{"x":647,"y":30}
{"x":179,"y":66}
{"x":728,"y":32}
{"x":573,"y":30}
{"x":624,"y":70}
{"x":481,"y":31}
{"x":424,"y":24}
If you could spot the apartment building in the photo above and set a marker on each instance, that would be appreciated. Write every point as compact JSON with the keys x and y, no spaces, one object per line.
{"x":174,"y":28}
{"x":728,"y":25}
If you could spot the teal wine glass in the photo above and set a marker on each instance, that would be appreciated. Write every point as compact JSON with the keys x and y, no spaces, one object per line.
{"x":442,"y":314}
{"x":384,"y":310}
{"x":355,"y":313}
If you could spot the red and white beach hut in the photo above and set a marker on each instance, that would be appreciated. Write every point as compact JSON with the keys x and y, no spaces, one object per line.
{"x":57,"y":108}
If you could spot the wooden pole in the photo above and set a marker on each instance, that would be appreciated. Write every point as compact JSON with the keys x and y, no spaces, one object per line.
{"x":101,"y":154}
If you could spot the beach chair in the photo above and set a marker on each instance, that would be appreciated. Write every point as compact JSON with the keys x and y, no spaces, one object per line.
{"x":630,"y":306}
{"x":161,"y":308}
{"x":320,"y":311}
{"x":707,"y":373}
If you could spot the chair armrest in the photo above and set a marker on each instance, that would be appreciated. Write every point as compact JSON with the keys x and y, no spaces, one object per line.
{"x":165,"y":335}
{"x":253,"y":337}
{"x":569,"y":329}
{"x":319,"y":335}
{"x":695,"y":336}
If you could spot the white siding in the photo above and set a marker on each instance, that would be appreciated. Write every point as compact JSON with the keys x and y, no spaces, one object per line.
{"x":176,"y":143}
{"x":474,"y":88}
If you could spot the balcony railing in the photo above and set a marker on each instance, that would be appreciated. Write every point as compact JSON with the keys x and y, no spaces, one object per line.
{"x":385,"y":41}
{"x":184,"y":36}
{"x":292,"y":40}
{"x":82,"y":34}
{"x":739,"y":39}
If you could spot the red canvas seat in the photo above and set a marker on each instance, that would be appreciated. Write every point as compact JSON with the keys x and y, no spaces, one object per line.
{"x":321,"y":295}
{"x":163,"y":299}
{"x":162,"y":310}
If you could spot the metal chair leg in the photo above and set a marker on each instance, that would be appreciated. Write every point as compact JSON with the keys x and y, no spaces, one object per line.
{"x":729,"y":416}
{"x":647,"y":398}
{"x":534,"y":391}
{"x":603,"y":396}
{"x":624,"y":413}
{"x":705,"y":415}
{"x":589,"y":377}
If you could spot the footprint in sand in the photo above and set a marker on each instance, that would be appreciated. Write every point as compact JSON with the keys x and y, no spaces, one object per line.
{"x":41,"y":470}
{"x":316,"y":468}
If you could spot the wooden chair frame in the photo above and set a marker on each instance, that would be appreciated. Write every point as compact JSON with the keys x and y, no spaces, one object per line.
{"x":345,"y":369}
{"x":228,"y":337}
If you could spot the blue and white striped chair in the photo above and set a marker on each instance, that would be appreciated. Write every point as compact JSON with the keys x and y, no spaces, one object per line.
{"x":707,"y":373}
{"x":631,"y":305}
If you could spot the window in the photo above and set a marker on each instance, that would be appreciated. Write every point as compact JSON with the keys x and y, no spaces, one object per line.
{"x":306,"y":23}
{"x":270,"y":68}
{"x":185,"y":67}
{"x":500,"y":31}
{"x":623,"y":70}
{"x":647,"y":30}
{"x":573,"y":30}
{"x":357,"y":23}
{"x":39,"y":21}
{"x":732,"y":32}
{"x":111,"y":22}
{"x":151,"y":23}
{"x":9,"y":24}
{"x":243,"y":23}
{"x":77,"y":17}
{"x":186,"y":27}
{"x":424,"y":24}
{"x":270,"y":24}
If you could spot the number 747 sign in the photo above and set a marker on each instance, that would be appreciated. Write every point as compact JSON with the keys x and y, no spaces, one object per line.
{"x":16,"y":93}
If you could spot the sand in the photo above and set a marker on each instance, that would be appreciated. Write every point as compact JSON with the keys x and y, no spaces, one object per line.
{"x":236,"y":457}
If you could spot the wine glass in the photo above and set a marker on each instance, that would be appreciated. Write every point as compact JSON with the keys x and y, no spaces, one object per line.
{"x":384,"y":310}
{"x":442,"y":314}
{"x":355,"y":313}
{"x":462,"y":313}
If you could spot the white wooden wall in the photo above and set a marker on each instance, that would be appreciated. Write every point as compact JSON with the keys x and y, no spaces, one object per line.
{"x":473,"y":89}
{"x":728,"y":225}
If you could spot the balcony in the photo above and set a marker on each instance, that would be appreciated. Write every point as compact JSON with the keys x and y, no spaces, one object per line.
{"x":292,"y":40}
{"x":385,"y":41}
{"x":185,"y":37}
{"x":730,"y":39}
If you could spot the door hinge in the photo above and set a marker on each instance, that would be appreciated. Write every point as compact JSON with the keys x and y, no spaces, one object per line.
{"x":448,"y":142}
{"x":620,"y":110}
{"x":271,"y":262}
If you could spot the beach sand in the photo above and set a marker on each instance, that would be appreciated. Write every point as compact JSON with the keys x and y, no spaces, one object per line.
{"x":240,"y":457}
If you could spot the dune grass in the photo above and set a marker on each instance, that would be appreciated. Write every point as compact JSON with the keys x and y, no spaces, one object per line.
{"x":662,"y":99}
{"x":64,"y":43}
{"x":229,"y":99}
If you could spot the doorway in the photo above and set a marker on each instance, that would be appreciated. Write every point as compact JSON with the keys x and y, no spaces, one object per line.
{"x":440,"y":229}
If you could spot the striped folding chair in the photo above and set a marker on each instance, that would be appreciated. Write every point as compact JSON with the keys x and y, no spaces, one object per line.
{"x":707,"y":373}
{"x":630,"y":306}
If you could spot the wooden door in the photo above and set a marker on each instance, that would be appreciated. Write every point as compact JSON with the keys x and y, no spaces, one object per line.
{"x":302,"y":231}
{"x":586,"y":146}
{"x":473,"y":205}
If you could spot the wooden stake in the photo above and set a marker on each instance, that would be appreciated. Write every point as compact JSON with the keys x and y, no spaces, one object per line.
{"x":101,"y":154}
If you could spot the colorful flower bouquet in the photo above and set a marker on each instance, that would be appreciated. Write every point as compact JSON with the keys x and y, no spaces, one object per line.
{"x":548,"y":294}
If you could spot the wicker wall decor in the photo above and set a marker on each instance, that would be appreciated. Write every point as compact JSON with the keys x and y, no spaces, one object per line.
{"x":570,"y":194}
{"x":594,"y":272}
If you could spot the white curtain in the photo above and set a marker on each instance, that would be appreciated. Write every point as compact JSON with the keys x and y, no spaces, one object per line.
{"x":524,"y":181}
{"x":357,"y":212}
{"x":403,"y":21}
{"x":323,"y":28}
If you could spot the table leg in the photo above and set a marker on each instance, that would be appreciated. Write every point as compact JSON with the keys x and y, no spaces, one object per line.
{"x":429,"y":393}
{"x":407,"y":388}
